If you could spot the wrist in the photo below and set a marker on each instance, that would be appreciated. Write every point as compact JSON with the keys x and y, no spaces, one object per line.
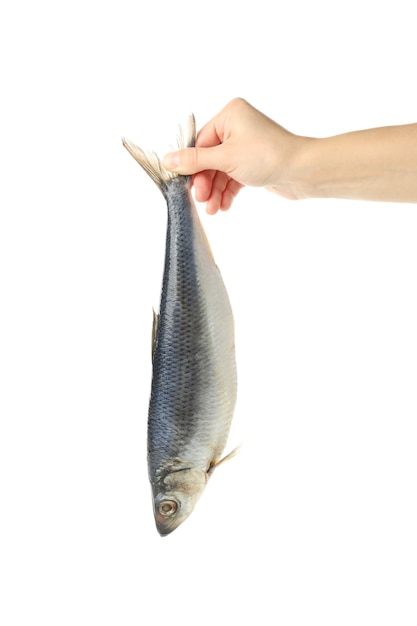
{"x":310,"y":169}
{"x":296,"y":173}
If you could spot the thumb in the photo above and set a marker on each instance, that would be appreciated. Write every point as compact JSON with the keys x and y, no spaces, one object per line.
{"x":192,"y":160}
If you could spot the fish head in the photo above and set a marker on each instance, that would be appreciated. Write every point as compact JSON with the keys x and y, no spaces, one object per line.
{"x":176,"y":496}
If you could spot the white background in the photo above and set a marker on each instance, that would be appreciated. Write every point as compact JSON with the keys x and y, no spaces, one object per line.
{"x":315,"y":521}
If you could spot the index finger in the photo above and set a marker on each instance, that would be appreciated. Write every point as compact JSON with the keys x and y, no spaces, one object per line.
{"x":212,"y":133}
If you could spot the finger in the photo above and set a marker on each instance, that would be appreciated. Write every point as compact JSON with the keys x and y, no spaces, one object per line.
{"x":218,"y":129}
{"x":203,"y":182}
{"x":212,"y":133}
{"x":193,"y":160}
{"x":219,"y":184}
{"x":211,"y":209}
{"x":229,"y":194}
{"x":213,"y":203}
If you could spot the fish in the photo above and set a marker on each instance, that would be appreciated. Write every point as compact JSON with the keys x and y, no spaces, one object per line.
{"x":194,"y":377}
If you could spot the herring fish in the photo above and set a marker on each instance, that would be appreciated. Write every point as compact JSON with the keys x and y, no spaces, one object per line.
{"x":194,"y":381}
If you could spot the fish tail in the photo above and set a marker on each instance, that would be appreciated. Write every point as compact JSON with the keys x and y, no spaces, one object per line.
{"x":150,"y":161}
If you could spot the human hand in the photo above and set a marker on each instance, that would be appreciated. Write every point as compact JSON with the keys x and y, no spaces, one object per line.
{"x":239,"y":146}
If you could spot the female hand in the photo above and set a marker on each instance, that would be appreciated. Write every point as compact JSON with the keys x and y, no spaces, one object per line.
{"x":239,"y":146}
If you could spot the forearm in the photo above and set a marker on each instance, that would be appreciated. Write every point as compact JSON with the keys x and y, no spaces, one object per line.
{"x":375,"y":164}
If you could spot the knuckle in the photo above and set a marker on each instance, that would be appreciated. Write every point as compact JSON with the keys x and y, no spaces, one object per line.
{"x":191,"y":160}
{"x":238,"y":103}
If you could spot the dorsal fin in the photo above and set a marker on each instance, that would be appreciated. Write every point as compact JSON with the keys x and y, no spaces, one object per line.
{"x":154,"y":331}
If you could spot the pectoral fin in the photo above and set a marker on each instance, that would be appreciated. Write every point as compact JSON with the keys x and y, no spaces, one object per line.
{"x":229,"y":456}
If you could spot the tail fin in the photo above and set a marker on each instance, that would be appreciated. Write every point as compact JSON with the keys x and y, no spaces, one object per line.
{"x":151,"y":163}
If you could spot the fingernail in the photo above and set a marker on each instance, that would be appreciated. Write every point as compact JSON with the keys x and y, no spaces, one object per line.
{"x":171,"y":161}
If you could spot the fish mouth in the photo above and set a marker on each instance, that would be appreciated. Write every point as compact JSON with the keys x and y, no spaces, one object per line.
{"x":163,"y":530}
{"x":163,"y":527}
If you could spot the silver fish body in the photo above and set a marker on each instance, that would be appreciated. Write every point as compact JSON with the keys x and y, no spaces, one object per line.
{"x":194,"y":384}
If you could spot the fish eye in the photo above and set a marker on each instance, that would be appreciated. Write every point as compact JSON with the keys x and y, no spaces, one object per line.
{"x":167,"y":507}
